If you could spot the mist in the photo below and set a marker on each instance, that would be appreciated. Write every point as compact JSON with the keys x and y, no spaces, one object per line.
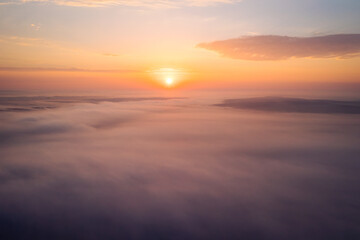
{"x":175,"y":168}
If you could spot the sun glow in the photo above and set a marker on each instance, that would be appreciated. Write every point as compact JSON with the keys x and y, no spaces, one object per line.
{"x":169,"y":81}
{"x":169,"y":77}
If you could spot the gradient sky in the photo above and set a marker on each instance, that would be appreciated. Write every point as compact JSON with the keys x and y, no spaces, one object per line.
{"x":59,"y":44}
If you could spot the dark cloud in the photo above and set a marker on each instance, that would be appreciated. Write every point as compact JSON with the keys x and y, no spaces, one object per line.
{"x":21,"y":104}
{"x":262,"y":48}
{"x":294,"y":105}
{"x":11,"y":134}
{"x":19,"y":173}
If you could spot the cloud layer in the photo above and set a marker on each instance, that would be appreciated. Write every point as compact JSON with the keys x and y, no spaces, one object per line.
{"x":294,"y":105}
{"x":131,"y":3}
{"x":23,"y":104}
{"x":262,"y":48}
{"x":175,"y":169}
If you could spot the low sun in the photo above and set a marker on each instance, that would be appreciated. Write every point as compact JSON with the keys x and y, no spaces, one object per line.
{"x":169,"y":81}
{"x":168,"y":78}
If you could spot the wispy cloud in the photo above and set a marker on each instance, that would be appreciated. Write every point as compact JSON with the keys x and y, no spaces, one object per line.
{"x":131,"y":3}
{"x":261,"y":48}
{"x":27,"y":41}
{"x":36,"y":27}
{"x":36,"y":69}
{"x":50,"y":46}
{"x":110,"y":54}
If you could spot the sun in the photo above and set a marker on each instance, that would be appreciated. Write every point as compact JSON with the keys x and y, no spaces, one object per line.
{"x":169,"y":81}
{"x":168,"y":77}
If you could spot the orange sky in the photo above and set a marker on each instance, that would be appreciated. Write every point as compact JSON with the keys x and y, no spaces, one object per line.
{"x":196,"y":44}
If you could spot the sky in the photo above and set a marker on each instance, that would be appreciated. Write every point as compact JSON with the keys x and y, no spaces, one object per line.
{"x":117,"y":44}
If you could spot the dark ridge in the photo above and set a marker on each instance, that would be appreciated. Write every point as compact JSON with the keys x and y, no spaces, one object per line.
{"x":294,"y":105}
{"x":18,"y":104}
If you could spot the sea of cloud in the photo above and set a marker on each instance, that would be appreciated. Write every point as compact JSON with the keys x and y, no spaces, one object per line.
{"x":175,"y":168}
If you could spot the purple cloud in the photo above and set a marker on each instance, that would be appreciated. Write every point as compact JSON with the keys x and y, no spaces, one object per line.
{"x":265,"y":48}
